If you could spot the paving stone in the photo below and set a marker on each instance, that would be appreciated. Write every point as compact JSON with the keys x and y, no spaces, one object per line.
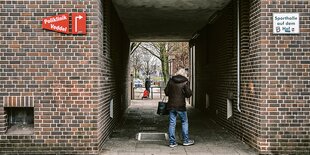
{"x":199,"y":153}
{"x":131,"y":153}
{"x":210,"y":138}
{"x":223,"y":150}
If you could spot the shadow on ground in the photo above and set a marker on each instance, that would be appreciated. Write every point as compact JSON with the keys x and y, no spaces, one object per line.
{"x":210,"y":138}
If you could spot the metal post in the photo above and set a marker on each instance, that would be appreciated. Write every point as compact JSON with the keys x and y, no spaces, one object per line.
{"x":151,"y":92}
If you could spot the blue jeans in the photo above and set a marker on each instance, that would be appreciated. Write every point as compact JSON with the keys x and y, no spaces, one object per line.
{"x":172,"y":123}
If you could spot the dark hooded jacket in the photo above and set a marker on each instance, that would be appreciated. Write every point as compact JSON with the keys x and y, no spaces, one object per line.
{"x":177,"y":89}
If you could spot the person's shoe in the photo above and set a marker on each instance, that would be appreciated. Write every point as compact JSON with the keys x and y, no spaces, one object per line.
{"x":188,"y":143}
{"x":173,"y":145}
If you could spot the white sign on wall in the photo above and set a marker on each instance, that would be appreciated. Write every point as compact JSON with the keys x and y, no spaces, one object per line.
{"x":285,"y":23}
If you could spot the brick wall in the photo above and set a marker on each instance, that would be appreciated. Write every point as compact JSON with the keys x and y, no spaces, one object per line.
{"x":120,"y":56}
{"x":251,"y":70}
{"x":285,"y":79}
{"x":216,"y":57}
{"x":250,"y":73}
{"x":216,"y":61}
{"x":69,"y":78}
{"x":274,"y":76}
{"x":113,"y":59}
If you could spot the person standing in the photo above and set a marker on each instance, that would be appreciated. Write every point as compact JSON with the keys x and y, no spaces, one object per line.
{"x":147,"y":84}
{"x":177,"y":89}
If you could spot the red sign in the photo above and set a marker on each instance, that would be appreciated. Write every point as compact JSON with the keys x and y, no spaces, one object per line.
{"x":59,"y":23}
{"x":78,"y":23}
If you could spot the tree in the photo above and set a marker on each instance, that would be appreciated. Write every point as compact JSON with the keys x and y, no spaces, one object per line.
{"x":161,"y":51}
{"x":146,"y":58}
{"x":143,"y":52}
{"x":181,"y":55}
{"x":135,"y":58}
{"x":134,"y":46}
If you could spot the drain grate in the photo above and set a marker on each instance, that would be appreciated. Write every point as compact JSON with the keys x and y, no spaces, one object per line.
{"x":145,"y":136}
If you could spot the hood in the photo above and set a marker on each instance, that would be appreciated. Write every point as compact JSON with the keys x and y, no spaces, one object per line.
{"x":179,"y":79}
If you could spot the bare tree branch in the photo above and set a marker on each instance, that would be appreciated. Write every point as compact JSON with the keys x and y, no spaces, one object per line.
{"x":155,"y":46}
{"x":134,"y":46}
{"x":150,"y":51}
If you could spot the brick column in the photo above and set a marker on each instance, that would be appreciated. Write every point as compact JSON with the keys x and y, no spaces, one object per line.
{"x":285,"y":64}
{"x":59,"y":73}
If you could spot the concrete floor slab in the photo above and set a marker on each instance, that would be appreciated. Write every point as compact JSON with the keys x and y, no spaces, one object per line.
{"x":210,"y":138}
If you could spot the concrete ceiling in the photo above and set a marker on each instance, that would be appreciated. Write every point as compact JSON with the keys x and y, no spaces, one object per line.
{"x":165,"y":20}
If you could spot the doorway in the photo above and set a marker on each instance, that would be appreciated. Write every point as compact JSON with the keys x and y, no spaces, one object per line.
{"x":152,"y":64}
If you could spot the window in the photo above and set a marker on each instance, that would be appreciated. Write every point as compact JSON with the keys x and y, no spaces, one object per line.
{"x":20,"y":120}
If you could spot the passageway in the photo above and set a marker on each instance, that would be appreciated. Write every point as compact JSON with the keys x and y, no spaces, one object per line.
{"x":216,"y":41}
{"x":210,"y":138}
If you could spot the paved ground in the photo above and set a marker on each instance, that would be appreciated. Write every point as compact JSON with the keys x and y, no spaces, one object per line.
{"x":210,"y":138}
{"x":156,"y":93}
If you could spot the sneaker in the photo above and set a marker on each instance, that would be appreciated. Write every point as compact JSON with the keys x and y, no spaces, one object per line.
{"x":188,"y":143}
{"x":173,"y":145}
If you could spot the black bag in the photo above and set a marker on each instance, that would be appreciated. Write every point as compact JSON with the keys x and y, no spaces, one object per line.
{"x":187,"y":91}
{"x":162,"y":107}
